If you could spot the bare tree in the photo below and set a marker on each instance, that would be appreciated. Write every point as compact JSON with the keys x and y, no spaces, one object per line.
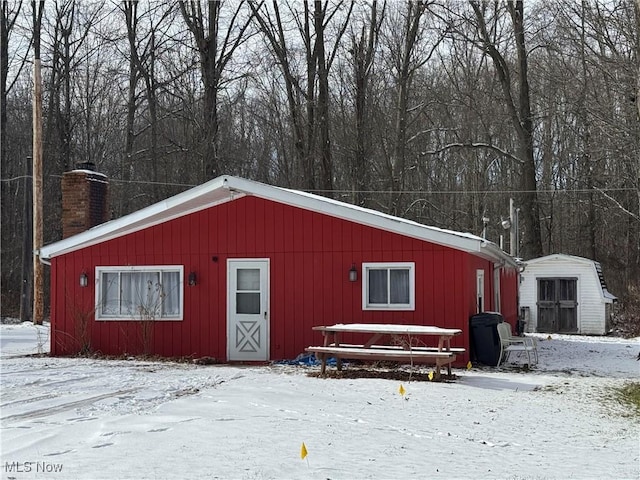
{"x":15,"y":147}
{"x":324,"y":61}
{"x":520,"y":112}
{"x":408,"y":56}
{"x":8,"y":18}
{"x":215,"y":47}
{"x":143,"y":65}
{"x":272,"y":27}
{"x":362,"y":50}
{"x":637,"y":22}
{"x":442,"y":133}
{"x":130,"y":9}
{"x":308,"y":89}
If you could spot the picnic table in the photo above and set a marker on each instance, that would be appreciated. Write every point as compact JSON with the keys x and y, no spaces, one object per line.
{"x":391,"y":342}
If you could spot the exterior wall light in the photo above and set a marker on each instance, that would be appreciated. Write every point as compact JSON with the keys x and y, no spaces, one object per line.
{"x":84,"y":279}
{"x":192,"y":279}
{"x":353,"y":273}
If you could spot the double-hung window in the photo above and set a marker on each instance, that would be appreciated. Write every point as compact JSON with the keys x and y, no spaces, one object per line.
{"x":139,"y":293}
{"x":388,"y":286}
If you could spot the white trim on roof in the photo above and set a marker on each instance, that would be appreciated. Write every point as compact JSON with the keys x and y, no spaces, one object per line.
{"x":559,"y":256}
{"x":227,"y":188}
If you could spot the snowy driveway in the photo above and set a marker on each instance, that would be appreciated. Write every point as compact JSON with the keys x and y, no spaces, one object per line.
{"x":96,"y":419}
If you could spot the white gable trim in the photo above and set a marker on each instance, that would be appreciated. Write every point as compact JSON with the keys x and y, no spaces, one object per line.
{"x":227,"y":188}
{"x":560,"y":257}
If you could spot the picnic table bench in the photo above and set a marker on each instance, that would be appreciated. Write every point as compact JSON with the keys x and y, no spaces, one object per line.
{"x":389,"y":342}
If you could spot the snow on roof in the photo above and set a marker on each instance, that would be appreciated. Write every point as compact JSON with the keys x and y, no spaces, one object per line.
{"x":227,"y":188}
{"x":559,"y":256}
{"x":90,"y":172}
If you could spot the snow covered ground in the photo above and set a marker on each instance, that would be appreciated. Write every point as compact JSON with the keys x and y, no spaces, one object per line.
{"x":66,"y":418}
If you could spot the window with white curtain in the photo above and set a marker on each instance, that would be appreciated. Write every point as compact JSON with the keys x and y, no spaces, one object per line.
{"x":388,"y":286}
{"x":139,"y":293}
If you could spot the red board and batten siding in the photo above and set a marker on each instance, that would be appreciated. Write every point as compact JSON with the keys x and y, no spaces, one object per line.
{"x":310,"y":255}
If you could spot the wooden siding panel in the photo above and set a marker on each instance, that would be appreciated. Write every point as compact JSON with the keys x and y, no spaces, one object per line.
{"x":332,"y":231}
{"x":263,"y":235}
{"x":460,"y":294}
{"x":427,"y":289}
{"x":310,"y":257}
{"x":448,"y":285}
{"x":509,"y":294}
{"x":240,"y":226}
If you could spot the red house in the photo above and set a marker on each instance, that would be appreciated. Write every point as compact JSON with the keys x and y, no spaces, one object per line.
{"x":241,"y":271}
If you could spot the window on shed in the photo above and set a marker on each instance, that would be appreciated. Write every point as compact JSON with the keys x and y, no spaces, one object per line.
{"x":139,"y":293}
{"x":388,"y":286}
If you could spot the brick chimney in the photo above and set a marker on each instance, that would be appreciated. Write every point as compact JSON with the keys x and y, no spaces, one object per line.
{"x":84,"y":199}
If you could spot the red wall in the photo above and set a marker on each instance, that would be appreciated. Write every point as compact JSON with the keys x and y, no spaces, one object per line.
{"x":509,"y":279}
{"x":310,"y":256}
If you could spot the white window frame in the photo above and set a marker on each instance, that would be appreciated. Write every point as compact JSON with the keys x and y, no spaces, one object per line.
{"x":99,"y":271}
{"x":411,"y":266}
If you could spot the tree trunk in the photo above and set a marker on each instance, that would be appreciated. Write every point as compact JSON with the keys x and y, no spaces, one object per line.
{"x":532,"y":245}
{"x":415,"y":10}
{"x":521,"y":119}
{"x":4,"y":70}
{"x":326,"y":166}
{"x":214,"y":57}
{"x":126,"y":165}
{"x":363,"y":49}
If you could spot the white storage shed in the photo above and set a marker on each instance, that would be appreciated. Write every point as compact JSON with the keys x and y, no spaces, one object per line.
{"x":565,"y":294}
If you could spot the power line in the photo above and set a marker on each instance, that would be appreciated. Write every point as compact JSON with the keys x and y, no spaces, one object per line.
{"x":478,"y":192}
{"x":395,"y":192}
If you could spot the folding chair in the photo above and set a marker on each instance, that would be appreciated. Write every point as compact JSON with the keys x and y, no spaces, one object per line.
{"x":520,"y":345}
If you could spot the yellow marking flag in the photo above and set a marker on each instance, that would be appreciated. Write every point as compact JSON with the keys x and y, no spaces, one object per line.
{"x":430,"y":376}
{"x":469,"y":365}
{"x":401,"y":390}
{"x":303,"y":451}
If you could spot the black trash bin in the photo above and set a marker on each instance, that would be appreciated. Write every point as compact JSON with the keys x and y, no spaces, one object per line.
{"x":485,"y":341}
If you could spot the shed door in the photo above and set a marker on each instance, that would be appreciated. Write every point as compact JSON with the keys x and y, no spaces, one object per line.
{"x":248,"y":310}
{"x":557,"y":305}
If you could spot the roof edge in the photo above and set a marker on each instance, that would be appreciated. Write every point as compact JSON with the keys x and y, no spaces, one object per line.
{"x":210,"y":194}
{"x":109,"y":230}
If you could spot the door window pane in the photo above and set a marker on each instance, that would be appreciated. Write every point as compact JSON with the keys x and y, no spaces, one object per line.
{"x":248,"y":303}
{"x":248,"y":279}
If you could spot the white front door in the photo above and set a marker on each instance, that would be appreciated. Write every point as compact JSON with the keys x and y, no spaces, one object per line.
{"x":248,"y":309}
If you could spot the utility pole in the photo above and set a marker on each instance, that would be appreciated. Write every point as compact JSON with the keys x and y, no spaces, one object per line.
{"x":38,"y":283}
